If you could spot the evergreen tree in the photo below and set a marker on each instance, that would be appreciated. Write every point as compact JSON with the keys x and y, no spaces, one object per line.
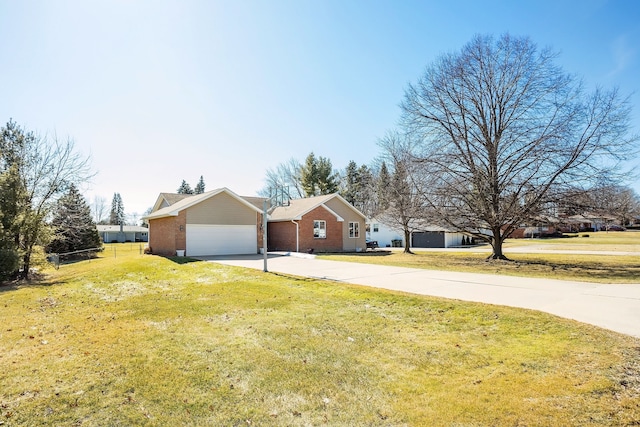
{"x":365,"y":199}
{"x":116,"y":216}
{"x":309,"y":175}
{"x":317,"y":176}
{"x":184,"y":188}
{"x":357,"y":188}
{"x":74,"y":227}
{"x":10,"y":194}
{"x":382,"y":188}
{"x":200,"y":186}
{"x":351,"y":183}
{"x":327,"y":178}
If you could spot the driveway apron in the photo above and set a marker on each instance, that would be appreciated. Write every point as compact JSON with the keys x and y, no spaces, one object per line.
{"x":611,"y":306}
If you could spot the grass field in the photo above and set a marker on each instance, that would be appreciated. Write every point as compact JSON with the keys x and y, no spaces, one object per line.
{"x":628,"y":241}
{"x":558,"y":258}
{"x":143,"y":340}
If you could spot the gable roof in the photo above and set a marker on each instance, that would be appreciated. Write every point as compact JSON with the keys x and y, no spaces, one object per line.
{"x":183,"y":203}
{"x":300,"y":207}
{"x":169,"y":199}
{"x":258,"y":202}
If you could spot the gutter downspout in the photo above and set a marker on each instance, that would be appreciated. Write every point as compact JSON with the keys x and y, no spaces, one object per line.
{"x":297,"y":235}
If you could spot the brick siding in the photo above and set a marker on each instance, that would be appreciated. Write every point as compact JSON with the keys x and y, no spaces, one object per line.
{"x":166,"y":235}
{"x":282,"y":235}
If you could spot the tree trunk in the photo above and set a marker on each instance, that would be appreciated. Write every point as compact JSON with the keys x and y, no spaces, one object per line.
{"x":26,"y":265}
{"x":407,"y":246}
{"x":496,"y":244}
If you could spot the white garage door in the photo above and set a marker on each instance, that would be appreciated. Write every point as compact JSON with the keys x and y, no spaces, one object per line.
{"x":221,"y":239}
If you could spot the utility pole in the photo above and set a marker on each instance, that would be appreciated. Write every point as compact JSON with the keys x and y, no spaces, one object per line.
{"x":264,"y":232}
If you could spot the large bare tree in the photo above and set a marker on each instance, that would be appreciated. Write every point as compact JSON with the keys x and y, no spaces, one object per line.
{"x":504,"y":130}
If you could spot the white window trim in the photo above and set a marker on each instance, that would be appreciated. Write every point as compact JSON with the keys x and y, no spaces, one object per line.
{"x":319,"y":229}
{"x":354,"y":231}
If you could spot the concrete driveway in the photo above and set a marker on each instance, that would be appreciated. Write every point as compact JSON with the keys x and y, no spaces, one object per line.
{"x":614,"y":307}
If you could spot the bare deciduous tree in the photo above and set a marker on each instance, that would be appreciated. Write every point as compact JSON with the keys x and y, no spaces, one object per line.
{"x":504,"y":130}
{"x":100,"y":210}
{"x":613,"y":200}
{"x":404,"y":194}
{"x":285,"y":175}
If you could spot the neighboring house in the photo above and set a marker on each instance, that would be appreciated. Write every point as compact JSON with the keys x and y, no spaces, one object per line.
{"x":123,"y":233}
{"x":541,"y":226}
{"x":317,"y":224}
{"x":587,"y":222}
{"x":385,"y":235}
{"x":436,"y":237}
{"x":217,"y":222}
{"x":424,"y":236}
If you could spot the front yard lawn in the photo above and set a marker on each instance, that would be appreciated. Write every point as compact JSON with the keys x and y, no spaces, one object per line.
{"x":142,"y":340}
{"x":563,"y":266}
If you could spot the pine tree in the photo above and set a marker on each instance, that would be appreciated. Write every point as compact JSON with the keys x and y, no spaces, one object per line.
{"x":10,"y":195}
{"x":351,"y":183}
{"x":309,"y":175}
{"x":200,"y":186}
{"x":184,"y":188}
{"x":382,"y":188}
{"x":116,"y":216}
{"x":365,"y":198}
{"x":73,"y":224}
{"x":327,"y":178}
{"x":317,"y":176}
{"x":15,"y":209}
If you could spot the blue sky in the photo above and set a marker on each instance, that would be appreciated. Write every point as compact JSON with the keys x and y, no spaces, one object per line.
{"x":160,"y":91}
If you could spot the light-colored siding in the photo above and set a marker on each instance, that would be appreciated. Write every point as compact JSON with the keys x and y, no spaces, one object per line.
{"x":452,"y":239}
{"x":349,"y":243}
{"x":221,"y":209}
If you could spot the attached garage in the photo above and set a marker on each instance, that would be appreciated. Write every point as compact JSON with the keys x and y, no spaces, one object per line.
{"x":220,"y":239}
{"x":217,"y":222}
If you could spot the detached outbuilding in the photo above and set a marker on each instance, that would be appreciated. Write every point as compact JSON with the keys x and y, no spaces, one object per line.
{"x":317,"y":224}
{"x":218,"y":222}
{"x":436,"y":237}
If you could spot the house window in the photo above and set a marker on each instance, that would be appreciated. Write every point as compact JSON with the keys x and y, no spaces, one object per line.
{"x":376,"y":228}
{"x":354,"y":229}
{"x":320,"y":229}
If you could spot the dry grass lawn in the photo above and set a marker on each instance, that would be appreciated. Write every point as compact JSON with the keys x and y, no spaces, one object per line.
{"x":145,"y":340}
{"x":560,"y":258}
